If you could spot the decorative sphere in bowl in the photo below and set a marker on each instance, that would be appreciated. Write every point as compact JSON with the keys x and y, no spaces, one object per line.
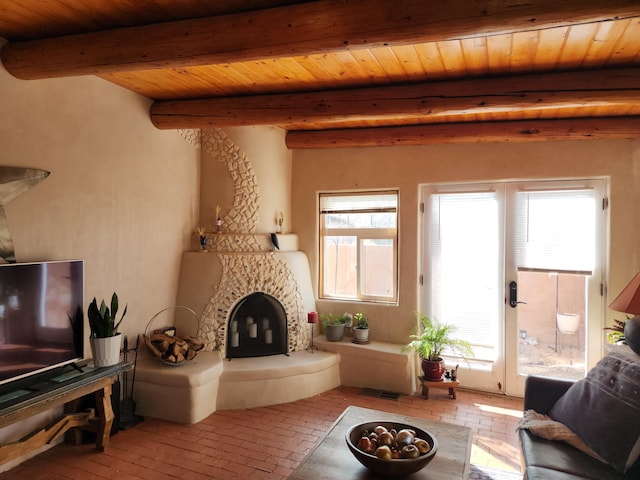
{"x":391,"y":467}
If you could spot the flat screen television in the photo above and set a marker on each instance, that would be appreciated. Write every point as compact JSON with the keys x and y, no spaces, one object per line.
{"x":40,"y":328}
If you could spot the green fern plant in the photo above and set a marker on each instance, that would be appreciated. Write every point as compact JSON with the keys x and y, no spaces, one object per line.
{"x":429,"y":338}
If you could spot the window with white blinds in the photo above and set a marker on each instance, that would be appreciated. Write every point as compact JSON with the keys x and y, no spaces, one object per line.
{"x":556,"y":230}
{"x":465,"y":248}
{"x":359,"y":246}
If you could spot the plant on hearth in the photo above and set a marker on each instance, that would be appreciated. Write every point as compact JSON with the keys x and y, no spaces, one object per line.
{"x":345,"y":319}
{"x":334,"y":325}
{"x":361,"y":329}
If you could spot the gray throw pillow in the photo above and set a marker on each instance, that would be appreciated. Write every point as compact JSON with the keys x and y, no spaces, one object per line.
{"x":603,"y":409}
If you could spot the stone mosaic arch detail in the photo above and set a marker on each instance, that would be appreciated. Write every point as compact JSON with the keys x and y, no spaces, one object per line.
{"x":242,"y":275}
{"x":243,"y":215}
{"x":191,"y":136}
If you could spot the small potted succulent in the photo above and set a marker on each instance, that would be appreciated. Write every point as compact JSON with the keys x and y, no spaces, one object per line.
{"x":334,"y":325}
{"x":429,"y":339}
{"x":361,"y":329}
{"x":105,"y":339}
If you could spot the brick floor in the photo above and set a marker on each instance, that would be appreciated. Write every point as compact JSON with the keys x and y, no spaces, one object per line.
{"x":269,"y":442}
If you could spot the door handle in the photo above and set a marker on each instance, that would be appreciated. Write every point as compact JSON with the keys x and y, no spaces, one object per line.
{"x":513,"y":295}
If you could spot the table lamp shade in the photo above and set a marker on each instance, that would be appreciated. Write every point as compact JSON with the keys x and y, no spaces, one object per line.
{"x":628,"y":301}
{"x":312,"y":317}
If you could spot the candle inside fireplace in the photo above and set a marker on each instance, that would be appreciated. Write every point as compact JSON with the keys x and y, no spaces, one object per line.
{"x":268,"y":337}
{"x":265,"y":324}
{"x":234,"y":325}
{"x":253,"y":330}
{"x":235,"y":339}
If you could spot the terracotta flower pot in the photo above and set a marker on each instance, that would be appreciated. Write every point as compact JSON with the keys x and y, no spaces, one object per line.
{"x":433,"y":370}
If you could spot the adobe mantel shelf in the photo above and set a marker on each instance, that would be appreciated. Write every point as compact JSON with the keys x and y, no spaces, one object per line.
{"x":224,"y":242}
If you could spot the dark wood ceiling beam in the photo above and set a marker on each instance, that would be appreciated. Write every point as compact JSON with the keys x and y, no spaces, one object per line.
{"x":301,"y":29}
{"x":415,"y":103}
{"x":604,"y":128}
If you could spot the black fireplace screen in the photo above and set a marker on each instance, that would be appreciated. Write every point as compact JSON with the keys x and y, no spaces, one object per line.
{"x":257,"y":327}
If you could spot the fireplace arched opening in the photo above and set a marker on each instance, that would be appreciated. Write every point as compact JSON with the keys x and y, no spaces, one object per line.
{"x":257,"y":327}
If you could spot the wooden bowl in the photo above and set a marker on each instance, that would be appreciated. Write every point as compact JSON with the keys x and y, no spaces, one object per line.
{"x":394,"y":467}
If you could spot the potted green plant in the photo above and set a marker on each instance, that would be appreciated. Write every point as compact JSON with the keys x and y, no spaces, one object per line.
{"x":334,"y":325}
{"x":429,"y":339}
{"x":361,"y":329}
{"x":616,"y":332}
{"x":105,"y":339}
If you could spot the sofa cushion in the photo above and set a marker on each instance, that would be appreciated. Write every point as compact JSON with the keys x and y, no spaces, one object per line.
{"x":604,"y":409}
{"x":545,"y":456}
{"x":541,"y":473}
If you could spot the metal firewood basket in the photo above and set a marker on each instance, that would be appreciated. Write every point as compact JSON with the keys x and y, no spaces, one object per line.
{"x":162,"y":356}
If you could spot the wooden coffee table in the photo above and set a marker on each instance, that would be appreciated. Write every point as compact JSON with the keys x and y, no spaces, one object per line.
{"x":332,"y":460}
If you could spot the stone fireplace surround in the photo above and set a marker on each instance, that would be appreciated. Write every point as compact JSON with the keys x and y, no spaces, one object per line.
{"x":209,"y":383}
{"x":238,"y":263}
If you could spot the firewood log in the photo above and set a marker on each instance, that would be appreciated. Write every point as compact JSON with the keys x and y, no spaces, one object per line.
{"x":194,"y":343}
{"x":191,"y":354}
{"x":161,"y":337}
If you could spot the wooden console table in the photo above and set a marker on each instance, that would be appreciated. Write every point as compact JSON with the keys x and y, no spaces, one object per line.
{"x":41,"y":393}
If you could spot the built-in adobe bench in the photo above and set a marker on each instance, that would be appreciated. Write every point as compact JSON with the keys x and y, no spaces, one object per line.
{"x":180,"y":393}
{"x":376,"y":365}
{"x":190,"y":392}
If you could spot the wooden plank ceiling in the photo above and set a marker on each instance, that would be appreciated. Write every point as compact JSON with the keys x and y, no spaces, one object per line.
{"x":351,"y":72}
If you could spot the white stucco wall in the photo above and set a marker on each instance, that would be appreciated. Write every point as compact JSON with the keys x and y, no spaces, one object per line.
{"x":122,"y":195}
{"x":407,"y":168}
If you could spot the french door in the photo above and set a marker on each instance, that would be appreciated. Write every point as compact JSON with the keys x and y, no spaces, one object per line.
{"x":517,"y":267}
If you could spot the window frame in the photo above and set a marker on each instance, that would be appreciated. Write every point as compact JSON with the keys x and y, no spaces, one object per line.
{"x":361,"y":235}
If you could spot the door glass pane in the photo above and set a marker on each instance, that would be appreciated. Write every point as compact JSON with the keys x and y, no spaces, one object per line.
{"x":552,"y":324}
{"x":555,"y":257}
{"x":466,"y":267}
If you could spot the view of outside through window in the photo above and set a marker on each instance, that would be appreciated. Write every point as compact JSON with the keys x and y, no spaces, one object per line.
{"x":359,"y":246}
{"x":552,"y":324}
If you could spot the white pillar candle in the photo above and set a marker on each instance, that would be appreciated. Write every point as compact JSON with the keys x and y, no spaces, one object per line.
{"x":235,"y":339}
{"x":234,"y":325}
{"x":268,"y":336}
{"x":265,"y":324}
{"x":253,"y":330}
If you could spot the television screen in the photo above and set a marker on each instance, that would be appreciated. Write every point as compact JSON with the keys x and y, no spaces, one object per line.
{"x":39,"y":323}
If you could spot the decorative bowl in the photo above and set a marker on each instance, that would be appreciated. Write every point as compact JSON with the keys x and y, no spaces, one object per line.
{"x":395,"y":467}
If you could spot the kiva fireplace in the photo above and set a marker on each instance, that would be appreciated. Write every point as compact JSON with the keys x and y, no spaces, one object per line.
{"x":252,"y":300}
